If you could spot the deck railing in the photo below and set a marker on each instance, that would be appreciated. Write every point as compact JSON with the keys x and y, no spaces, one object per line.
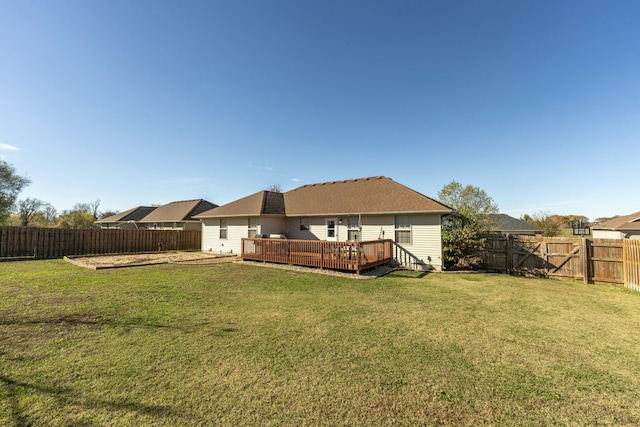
{"x":352,"y":256}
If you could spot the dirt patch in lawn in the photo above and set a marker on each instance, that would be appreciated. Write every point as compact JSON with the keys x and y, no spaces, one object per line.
{"x":97,"y":262}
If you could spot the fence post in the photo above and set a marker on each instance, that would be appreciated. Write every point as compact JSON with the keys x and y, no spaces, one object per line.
{"x":509,"y":249}
{"x":586,"y":258}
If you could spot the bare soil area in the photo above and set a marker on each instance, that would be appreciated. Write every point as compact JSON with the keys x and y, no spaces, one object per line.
{"x":97,"y":262}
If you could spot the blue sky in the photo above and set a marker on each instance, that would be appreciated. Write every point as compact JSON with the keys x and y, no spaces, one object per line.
{"x":148,"y":102}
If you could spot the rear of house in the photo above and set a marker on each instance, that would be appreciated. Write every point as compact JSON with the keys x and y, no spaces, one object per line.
{"x":356,"y":210}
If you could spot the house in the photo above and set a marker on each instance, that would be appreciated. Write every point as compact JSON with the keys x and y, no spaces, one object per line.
{"x":357,"y":210}
{"x":172,"y":216}
{"x":622,"y":227}
{"x":126,"y":219}
{"x":505,"y":224}
{"x":177,"y":215}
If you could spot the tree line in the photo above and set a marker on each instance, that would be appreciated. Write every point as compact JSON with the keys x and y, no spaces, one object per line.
{"x":35,"y":212}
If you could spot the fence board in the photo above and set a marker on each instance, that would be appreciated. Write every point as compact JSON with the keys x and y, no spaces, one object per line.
{"x":58,"y":242}
{"x":631,"y":257}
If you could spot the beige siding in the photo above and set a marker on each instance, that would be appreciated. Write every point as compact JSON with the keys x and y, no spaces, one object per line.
{"x":425,"y":250}
{"x":210,"y":230}
{"x":237,"y":228}
{"x":426,"y":241}
{"x":272,"y":225}
{"x":317,"y":229}
{"x":377,"y":227}
{"x":607,"y":234}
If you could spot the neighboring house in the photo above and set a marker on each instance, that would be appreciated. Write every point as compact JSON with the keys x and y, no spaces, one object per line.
{"x":126,"y":219}
{"x":172,"y":216}
{"x":505,"y":224}
{"x":177,"y":215}
{"x":622,"y":227}
{"x":352,"y":210}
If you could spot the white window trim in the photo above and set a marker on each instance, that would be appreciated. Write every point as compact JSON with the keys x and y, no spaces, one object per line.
{"x":407,"y":228}
{"x":223,"y":226}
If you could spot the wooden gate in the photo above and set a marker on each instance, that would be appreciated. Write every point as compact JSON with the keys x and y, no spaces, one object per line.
{"x":598,"y":260}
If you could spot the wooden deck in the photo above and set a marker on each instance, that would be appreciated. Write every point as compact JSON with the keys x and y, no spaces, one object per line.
{"x":351,"y":256}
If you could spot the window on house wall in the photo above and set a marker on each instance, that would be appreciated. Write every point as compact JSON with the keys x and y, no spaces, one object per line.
{"x":304,"y":224}
{"x":403,"y":228}
{"x":353,"y":229}
{"x":253,"y":227}
{"x":223,"y":228}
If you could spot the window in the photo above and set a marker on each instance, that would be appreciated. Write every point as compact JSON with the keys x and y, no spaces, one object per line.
{"x":253,"y":227}
{"x":403,"y":229}
{"x":223,"y":228}
{"x":304,"y":224}
{"x":353,"y":228}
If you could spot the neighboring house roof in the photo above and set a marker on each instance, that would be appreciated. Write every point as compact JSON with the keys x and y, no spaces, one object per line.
{"x":178,"y":211}
{"x":135,"y":214}
{"x":508,"y":224}
{"x":627,"y":222}
{"x":375,"y":195}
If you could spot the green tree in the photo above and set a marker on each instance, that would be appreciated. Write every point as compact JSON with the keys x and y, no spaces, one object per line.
{"x":76,"y":219}
{"x":462,"y":239}
{"x":11,"y":184}
{"x":550,"y":224}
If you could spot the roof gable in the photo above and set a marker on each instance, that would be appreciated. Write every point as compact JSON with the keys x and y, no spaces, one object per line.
{"x":260,"y":203}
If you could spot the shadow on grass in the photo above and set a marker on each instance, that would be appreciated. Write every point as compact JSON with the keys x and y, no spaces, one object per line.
{"x":409,"y":274}
{"x":69,"y":396}
{"x":83,"y":319}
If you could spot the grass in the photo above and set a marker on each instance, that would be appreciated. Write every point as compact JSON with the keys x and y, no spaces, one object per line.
{"x":233,"y":344}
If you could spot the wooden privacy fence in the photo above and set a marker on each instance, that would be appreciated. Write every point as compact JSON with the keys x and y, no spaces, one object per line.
{"x":58,"y":242}
{"x":588,"y":260}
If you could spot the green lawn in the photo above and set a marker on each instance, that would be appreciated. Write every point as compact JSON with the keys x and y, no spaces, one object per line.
{"x":233,"y":344}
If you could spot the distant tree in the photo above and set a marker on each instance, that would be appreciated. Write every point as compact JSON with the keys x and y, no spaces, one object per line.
{"x":567,"y":221}
{"x":550,"y":224}
{"x":276,"y":188}
{"x":91,"y":208}
{"x":76,"y":219}
{"x":49,"y":214}
{"x":526,"y":218}
{"x":29,"y":208}
{"x":11,"y":184}
{"x":462,"y":231}
{"x":606,"y":218}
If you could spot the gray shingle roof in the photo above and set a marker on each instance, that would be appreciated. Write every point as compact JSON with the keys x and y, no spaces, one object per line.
{"x":627,"y":222}
{"x":178,"y":211}
{"x":509,"y":224}
{"x":375,"y":195}
{"x":134,"y":214}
